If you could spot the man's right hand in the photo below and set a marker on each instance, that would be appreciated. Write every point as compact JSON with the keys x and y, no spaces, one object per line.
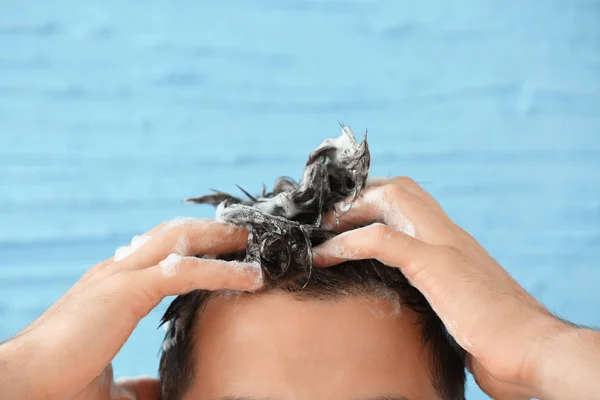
{"x":507,"y":333}
{"x":66,"y":352}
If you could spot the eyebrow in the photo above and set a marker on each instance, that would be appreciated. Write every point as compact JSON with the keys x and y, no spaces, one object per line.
{"x":269,"y":398}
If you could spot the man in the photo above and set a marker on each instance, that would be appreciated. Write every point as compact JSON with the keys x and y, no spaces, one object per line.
{"x":515,"y":348}
{"x":357,"y":330}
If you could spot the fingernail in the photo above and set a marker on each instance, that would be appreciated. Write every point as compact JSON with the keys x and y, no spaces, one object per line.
{"x":254,"y":268}
{"x":375,"y":179}
{"x":318,"y":259}
{"x":320,"y":252}
{"x":335,"y":248}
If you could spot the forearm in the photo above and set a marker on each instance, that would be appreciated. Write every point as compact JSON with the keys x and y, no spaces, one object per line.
{"x":14,"y":384}
{"x":569,"y":366}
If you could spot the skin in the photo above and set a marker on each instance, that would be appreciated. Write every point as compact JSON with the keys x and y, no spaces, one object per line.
{"x":275,"y":347}
{"x":518,"y":349}
{"x":67,"y":352}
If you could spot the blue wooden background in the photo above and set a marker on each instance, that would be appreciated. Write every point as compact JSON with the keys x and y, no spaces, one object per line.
{"x":112,"y":111}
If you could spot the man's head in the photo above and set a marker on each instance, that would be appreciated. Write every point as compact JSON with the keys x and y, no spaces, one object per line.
{"x":358,"y":330}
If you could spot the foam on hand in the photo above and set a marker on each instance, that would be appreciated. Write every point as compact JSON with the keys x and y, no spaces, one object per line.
{"x":219,"y":212}
{"x":335,"y":247}
{"x":391,"y":215}
{"x":168,"y":266}
{"x":177,"y":221}
{"x":343,"y":207}
{"x":136,"y":243}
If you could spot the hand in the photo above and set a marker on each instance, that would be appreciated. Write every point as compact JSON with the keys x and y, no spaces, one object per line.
{"x":66,"y":353}
{"x":494,"y":319}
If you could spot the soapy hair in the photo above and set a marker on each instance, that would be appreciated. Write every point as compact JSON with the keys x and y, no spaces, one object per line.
{"x":284,"y":225}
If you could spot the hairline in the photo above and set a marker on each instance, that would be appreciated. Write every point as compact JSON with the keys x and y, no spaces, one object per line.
{"x":348,"y":289}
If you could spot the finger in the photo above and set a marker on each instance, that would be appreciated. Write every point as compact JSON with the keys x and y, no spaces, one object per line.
{"x":95,"y":269}
{"x":194,"y":237}
{"x":387,"y":204}
{"x":177,"y":275}
{"x":376,"y":241}
{"x":344,"y":216}
{"x":163,"y":226}
{"x":126,"y":250}
{"x":142,"y":388}
{"x":140,"y":240}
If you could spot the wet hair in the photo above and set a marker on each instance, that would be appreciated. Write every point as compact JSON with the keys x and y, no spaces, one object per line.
{"x":283,"y":226}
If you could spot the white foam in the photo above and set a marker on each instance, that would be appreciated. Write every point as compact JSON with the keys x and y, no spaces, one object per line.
{"x":283,"y":201}
{"x":452,"y":328}
{"x":465,"y":343}
{"x":136,"y":243}
{"x":390,"y":296}
{"x":454,"y":331}
{"x":335,"y":248}
{"x":241,"y":267}
{"x":122,"y":252}
{"x":343,"y":207}
{"x":168,"y":343}
{"x":168,"y":266}
{"x":178,"y":221}
{"x":182,"y":246}
{"x":232,"y":228}
{"x":346,"y":142}
{"x":139,"y":241}
{"x":219,"y":212}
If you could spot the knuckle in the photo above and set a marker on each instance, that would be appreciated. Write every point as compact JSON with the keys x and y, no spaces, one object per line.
{"x":115,"y":284}
{"x":448,"y":253}
{"x":393,"y":190}
{"x":408,"y":184}
{"x":145,"y":297}
{"x":379,"y":233}
{"x":181,"y":232}
{"x":405,"y":180}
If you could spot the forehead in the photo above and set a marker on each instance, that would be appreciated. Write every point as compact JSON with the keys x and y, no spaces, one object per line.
{"x":273,"y":346}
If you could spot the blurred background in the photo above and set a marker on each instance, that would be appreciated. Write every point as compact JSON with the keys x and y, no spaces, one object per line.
{"x":113,"y":111}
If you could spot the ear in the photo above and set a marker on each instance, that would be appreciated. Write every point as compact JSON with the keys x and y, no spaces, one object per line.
{"x":144,"y":388}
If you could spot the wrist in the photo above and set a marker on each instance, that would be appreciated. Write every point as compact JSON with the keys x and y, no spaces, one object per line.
{"x":567,"y":363}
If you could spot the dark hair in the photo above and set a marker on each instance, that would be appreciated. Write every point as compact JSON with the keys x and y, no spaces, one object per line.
{"x":284,"y":225}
